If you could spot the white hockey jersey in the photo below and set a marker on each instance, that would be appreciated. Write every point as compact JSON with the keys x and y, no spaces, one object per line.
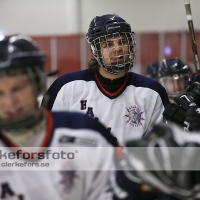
{"x":128,"y":113}
{"x":64,"y":130}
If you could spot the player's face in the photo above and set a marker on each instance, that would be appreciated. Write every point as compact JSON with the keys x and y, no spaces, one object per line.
{"x":175,"y":83}
{"x":16,"y":96}
{"x":115,"y":49}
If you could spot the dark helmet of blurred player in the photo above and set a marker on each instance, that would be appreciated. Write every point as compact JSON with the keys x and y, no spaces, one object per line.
{"x":152,"y":70}
{"x":21,"y":67}
{"x":173,"y":74}
{"x":115,"y":57}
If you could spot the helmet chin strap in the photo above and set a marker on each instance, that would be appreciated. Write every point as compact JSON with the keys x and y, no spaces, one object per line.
{"x":21,"y":123}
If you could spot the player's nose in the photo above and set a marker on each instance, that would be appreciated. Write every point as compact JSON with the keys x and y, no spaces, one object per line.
{"x":8,"y":101}
{"x":176,"y":86}
{"x":117,"y":46}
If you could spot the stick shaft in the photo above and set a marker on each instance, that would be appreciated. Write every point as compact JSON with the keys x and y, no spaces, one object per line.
{"x":192,"y":34}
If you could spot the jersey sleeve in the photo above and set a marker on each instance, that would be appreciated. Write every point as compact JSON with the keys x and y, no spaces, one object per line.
{"x":60,"y":91}
{"x":61,"y":102}
{"x":157,"y":116}
{"x":162,"y":101}
{"x":54,"y":98}
{"x":50,"y":95}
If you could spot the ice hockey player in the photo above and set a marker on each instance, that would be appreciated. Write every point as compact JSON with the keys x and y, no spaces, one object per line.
{"x":127,"y":103}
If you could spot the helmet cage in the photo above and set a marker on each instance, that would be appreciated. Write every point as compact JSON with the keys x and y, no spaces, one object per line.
{"x":178,"y":81}
{"x":127,"y":39}
{"x":37,"y":78}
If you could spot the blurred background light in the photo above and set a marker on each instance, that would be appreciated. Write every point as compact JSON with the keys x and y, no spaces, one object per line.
{"x":167,"y":51}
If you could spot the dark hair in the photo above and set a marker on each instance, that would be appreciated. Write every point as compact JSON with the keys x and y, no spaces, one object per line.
{"x":93,"y":65}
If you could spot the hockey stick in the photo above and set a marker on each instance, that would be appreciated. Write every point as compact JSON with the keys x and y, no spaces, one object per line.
{"x":192,"y":34}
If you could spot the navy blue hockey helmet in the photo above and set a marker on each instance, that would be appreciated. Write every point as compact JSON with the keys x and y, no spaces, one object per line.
{"x":107,"y":27}
{"x":152,"y":70}
{"x":19,"y":54}
{"x":172,"y":66}
{"x":173,"y":74}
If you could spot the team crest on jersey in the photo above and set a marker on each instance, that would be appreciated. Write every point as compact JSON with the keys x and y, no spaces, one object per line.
{"x":68,"y":178}
{"x":134,"y":116}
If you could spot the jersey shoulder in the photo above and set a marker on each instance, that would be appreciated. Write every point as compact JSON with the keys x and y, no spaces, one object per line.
{"x":138,"y":80}
{"x":51,"y":94}
{"x":142,"y":81}
{"x":74,"y":76}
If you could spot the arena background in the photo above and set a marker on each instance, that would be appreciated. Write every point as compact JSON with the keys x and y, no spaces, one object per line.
{"x":59,"y":27}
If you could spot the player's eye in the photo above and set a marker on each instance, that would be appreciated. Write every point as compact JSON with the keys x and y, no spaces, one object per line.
{"x":107,"y":44}
{"x":18,"y":89}
{"x":110,"y":44}
{"x":124,"y":41}
{"x":103,"y":45}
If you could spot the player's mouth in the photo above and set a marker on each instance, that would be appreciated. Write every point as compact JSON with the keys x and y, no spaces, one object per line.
{"x":117,"y":59}
{"x":13,"y":115}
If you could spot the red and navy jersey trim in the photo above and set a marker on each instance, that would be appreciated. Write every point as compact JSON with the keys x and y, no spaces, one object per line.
{"x":131,"y":79}
{"x":109,"y":94}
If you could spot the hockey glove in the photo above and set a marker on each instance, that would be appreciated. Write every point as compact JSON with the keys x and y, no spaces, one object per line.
{"x":176,"y":112}
{"x":192,"y":120}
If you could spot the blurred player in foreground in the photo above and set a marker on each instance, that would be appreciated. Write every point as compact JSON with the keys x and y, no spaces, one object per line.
{"x":27,"y":130}
{"x":167,"y":159}
{"x":24,"y":126}
{"x":127,"y":103}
